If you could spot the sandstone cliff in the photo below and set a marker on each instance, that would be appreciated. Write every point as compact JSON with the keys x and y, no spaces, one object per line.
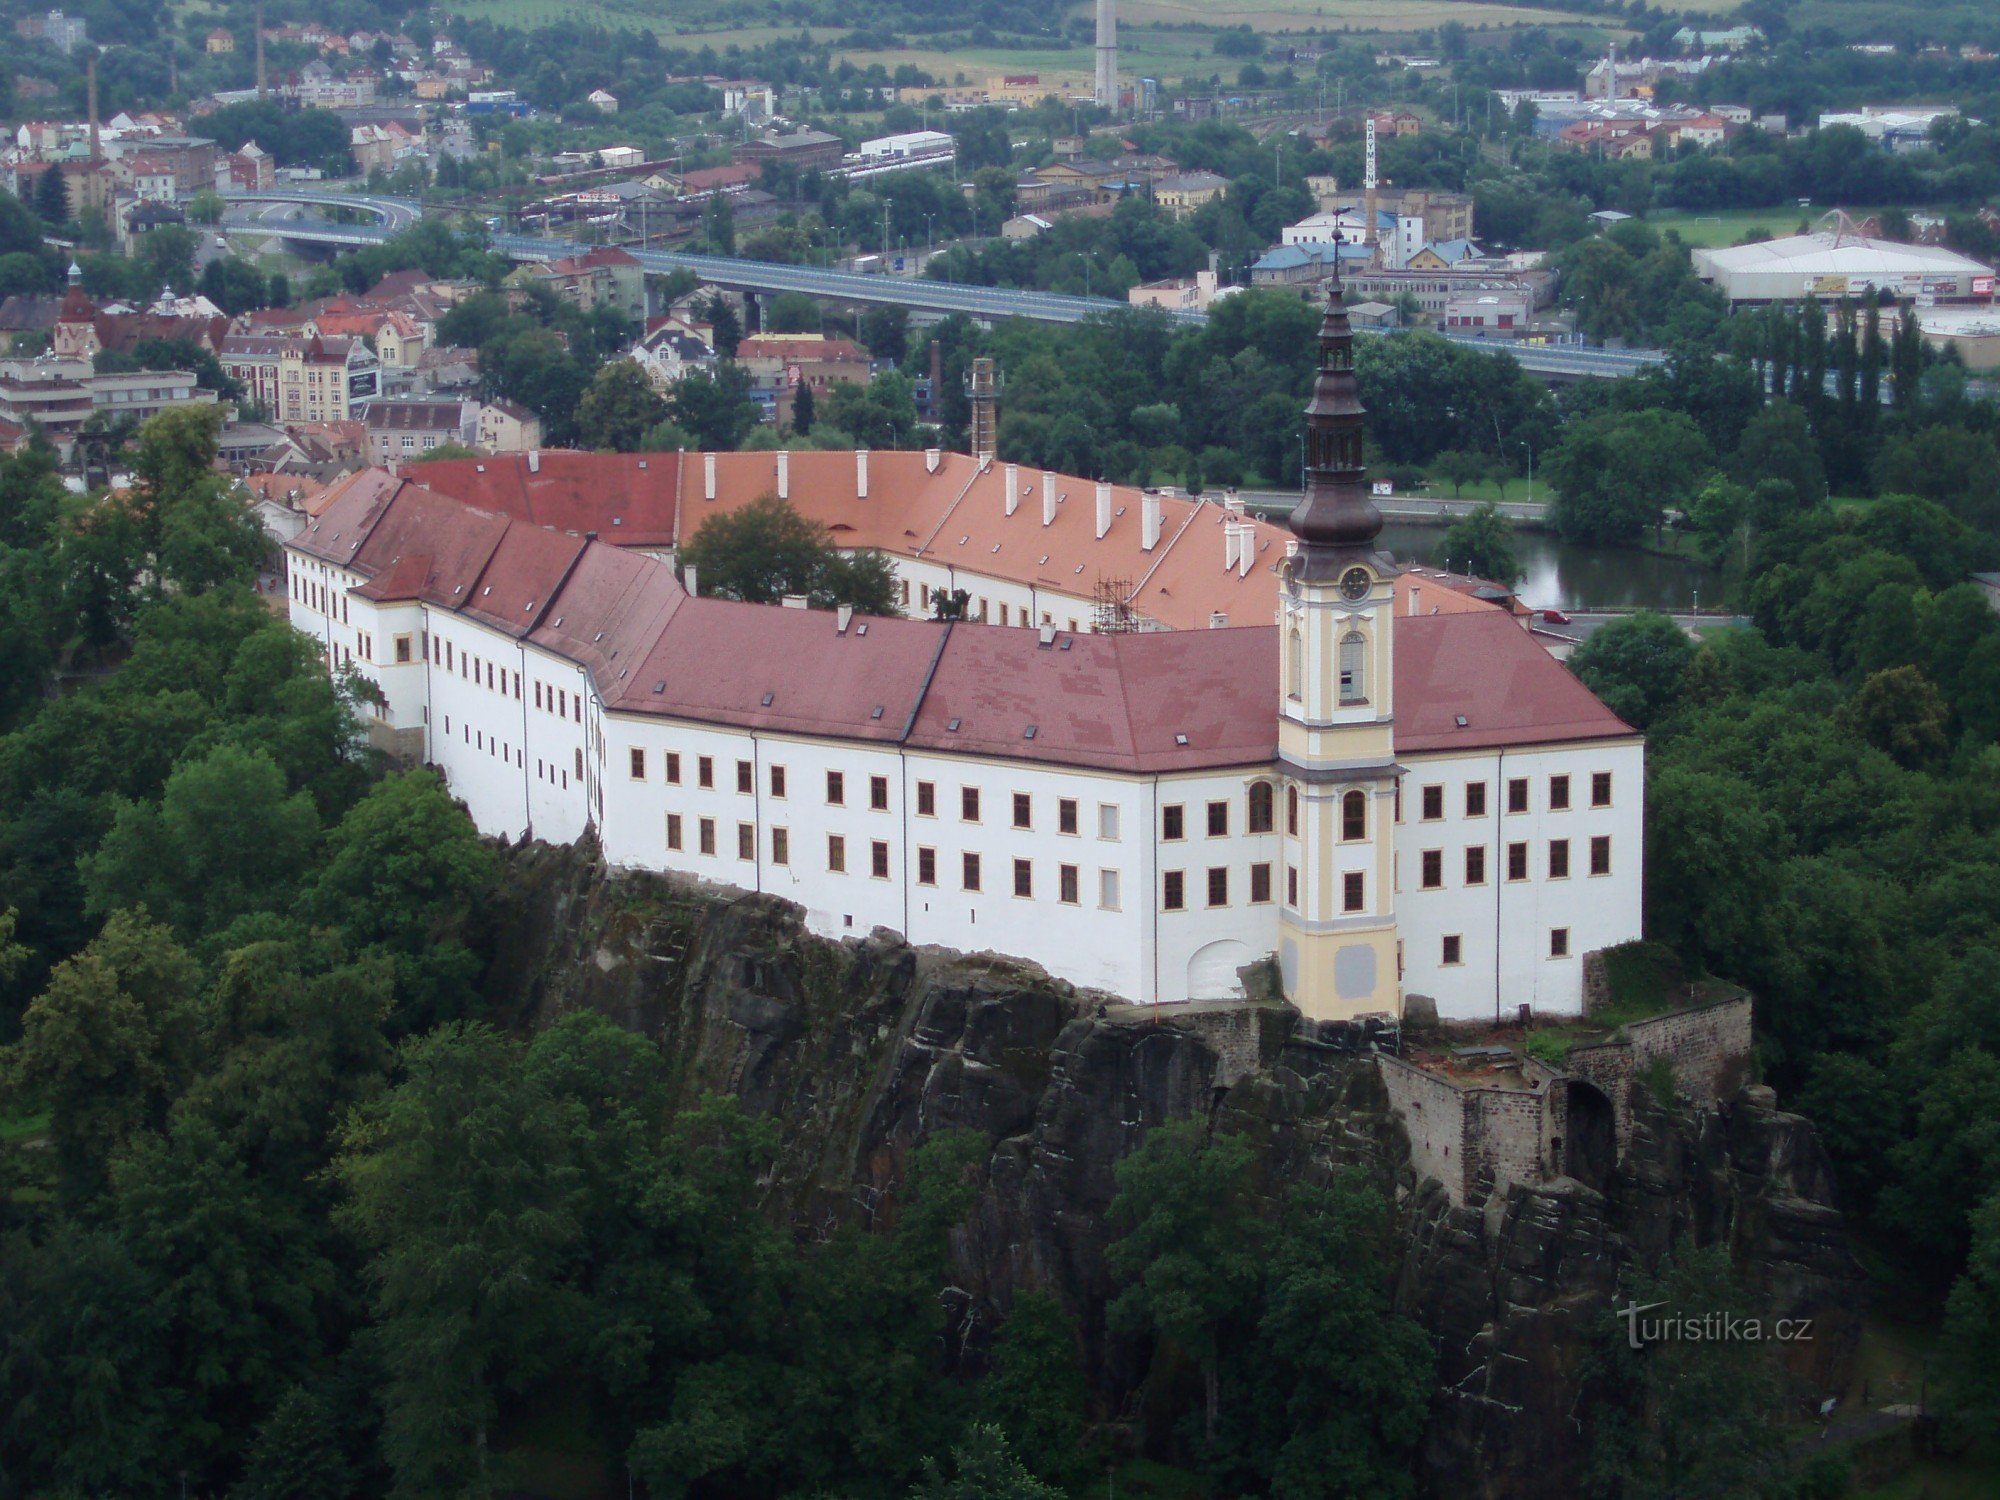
{"x":859,"y":1050}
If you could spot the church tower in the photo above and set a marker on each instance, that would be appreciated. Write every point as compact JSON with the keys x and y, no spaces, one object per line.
{"x":1337,"y":947}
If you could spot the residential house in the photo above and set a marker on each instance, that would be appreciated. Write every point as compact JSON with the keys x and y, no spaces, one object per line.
{"x":669,"y":352}
{"x":508,"y":427}
{"x":1183,"y":193}
{"x":401,"y":430}
{"x":302,"y":379}
{"x":603,"y":101}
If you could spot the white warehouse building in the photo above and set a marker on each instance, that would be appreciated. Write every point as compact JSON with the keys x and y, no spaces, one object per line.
{"x":1387,"y":793}
{"x":1832,"y":264}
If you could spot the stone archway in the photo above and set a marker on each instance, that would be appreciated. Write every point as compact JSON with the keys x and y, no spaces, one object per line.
{"x":1590,"y":1135}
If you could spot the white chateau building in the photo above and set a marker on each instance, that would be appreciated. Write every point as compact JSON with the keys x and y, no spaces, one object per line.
{"x":1182,"y":757}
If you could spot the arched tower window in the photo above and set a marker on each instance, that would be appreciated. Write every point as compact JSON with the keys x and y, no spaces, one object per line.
{"x":1353,"y":668}
{"x":1295,"y":667}
{"x":1354,"y":816}
{"x":1261,"y":808}
{"x":1291,"y":810}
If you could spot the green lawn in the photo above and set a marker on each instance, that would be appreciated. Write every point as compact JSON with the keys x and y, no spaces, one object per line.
{"x":1726,"y":227}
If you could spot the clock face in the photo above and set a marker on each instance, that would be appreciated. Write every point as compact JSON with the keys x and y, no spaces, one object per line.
{"x":1354,"y":583}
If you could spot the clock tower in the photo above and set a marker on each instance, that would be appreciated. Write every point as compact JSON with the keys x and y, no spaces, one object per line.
{"x":1337,"y":946}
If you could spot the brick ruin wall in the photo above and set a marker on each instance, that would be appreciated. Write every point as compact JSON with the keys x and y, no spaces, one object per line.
{"x":1708,"y":1048}
{"x":1469,"y":1139}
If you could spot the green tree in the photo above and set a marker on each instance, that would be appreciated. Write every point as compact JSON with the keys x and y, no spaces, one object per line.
{"x":1635,"y":665}
{"x":802,"y":410}
{"x":1458,"y":469}
{"x":464,"y":1185}
{"x":716,"y":408}
{"x":792,"y":312}
{"x":1034,"y":1389}
{"x":619,"y":409}
{"x":1482,"y":544}
{"x":225,"y":839}
{"x":1614,"y":473}
{"x":1190,"y":1254}
{"x":296,"y":1454}
{"x":987,"y":1469}
{"x":767,"y":550}
{"x":1900,"y":712}
{"x":1719,"y":513}
{"x":1681,"y":1418}
{"x":1777,"y":443}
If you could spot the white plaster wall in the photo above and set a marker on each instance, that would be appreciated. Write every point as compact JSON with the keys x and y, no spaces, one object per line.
{"x":1504,"y":926}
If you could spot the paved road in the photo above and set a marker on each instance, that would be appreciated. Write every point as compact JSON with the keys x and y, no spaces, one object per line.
{"x":993,"y":304}
{"x":1404,"y":507}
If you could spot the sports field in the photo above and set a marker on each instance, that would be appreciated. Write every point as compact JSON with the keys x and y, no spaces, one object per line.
{"x":1729,"y":226}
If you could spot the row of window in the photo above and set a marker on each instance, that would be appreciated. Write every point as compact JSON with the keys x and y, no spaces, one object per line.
{"x":1452,"y":947}
{"x":1431,"y":862}
{"x":1474,"y":796}
{"x":975,"y":609}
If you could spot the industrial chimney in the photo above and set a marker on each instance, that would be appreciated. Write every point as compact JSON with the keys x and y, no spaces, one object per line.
{"x":1107,"y":55}
{"x":982,"y":394}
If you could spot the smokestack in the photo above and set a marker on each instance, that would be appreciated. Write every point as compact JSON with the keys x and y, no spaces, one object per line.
{"x":983,"y":395}
{"x":1107,"y":55}
{"x":90,"y":91}
{"x":260,"y":51}
{"x":1368,"y":206}
{"x":1611,"y":73}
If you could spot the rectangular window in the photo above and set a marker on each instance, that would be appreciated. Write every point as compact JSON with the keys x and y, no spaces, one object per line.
{"x":1517,"y":861}
{"x":927,"y":799}
{"x":1433,"y":866}
{"x":1558,"y":859}
{"x":777,"y":781}
{"x":579,"y":763}
{"x":1475,"y":799}
{"x":781,"y":846}
{"x":1517,"y":794}
{"x":1218,"y":885}
{"x":1024,"y":810}
{"x":1291,"y":885}
{"x":1454,"y":949}
{"x":403,"y":648}
{"x":673,"y":830}
{"x":968,"y":803}
{"x":1107,"y":889}
{"x":1066,"y":815}
{"x":638,"y":764}
{"x":708,"y":835}
{"x":1559,"y":942}
{"x":1433,"y":803}
{"x":746,"y":778}
{"x":1260,"y":884}
{"x":1558,"y":793}
{"x":673,"y":768}
{"x":927,"y":867}
{"x":1353,"y":890}
{"x":746,"y":841}
{"x":1107,"y":820}
{"x":1066,"y":885}
{"x":1024,"y":877}
{"x":836,"y":788}
{"x":836,"y":853}
{"x":878,"y":793}
{"x":704,"y":771}
{"x":1600,"y":789}
{"x":878,"y":859}
{"x":1173,"y":890}
{"x":1218,"y":820}
{"x":969,"y":871}
{"x":1173,"y":822}
{"x":1475,"y":864}
{"x":1600,"y":854}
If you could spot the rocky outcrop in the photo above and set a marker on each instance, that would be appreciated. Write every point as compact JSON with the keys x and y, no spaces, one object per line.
{"x":860,"y":1050}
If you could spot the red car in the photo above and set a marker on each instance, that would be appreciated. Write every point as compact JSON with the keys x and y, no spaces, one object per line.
{"x":1555,"y":617}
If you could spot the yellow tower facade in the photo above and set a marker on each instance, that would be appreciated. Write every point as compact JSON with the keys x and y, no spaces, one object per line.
{"x":1337,"y":944}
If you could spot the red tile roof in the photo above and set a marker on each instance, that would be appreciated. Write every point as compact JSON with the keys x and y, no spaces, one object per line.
{"x":1141,"y":703}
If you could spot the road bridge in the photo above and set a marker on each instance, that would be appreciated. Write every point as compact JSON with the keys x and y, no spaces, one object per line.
{"x":250,"y":213}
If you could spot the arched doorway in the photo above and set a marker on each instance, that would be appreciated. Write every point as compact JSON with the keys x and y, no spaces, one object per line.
{"x":1590,"y":1135}
{"x":1211,"y":971}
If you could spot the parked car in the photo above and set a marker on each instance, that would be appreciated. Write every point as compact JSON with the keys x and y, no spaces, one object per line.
{"x":1555,"y":617}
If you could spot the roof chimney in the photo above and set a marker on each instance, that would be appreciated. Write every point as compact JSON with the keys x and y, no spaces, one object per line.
{"x":784,"y":474}
{"x":534,"y":460}
{"x":932,"y":457}
{"x":843,"y":616}
{"x":1013,"y":480}
{"x":1416,"y":594}
{"x":861,"y":473}
{"x":1048,"y":498}
{"x":708,"y":476}
{"x":1149,"y":522}
{"x":688,"y":580}
{"x":1246,"y":548}
{"x":1232,"y":502}
{"x":1229,"y":542}
{"x":795,"y":601}
{"x":1217,"y":620}
{"x":1103,"y":508}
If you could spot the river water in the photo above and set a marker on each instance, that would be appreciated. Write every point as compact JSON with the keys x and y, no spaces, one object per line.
{"x":1566,"y":576}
